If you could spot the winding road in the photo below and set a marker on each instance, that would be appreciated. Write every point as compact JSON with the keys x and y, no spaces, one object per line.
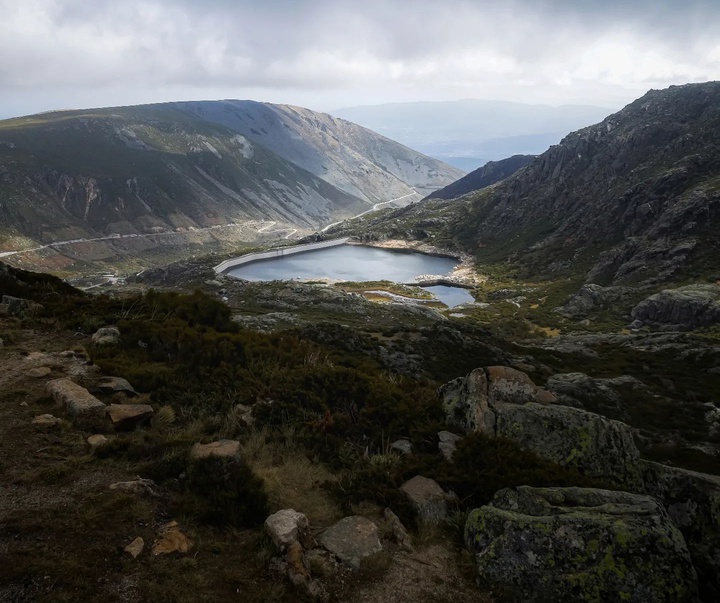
{"x":265,"y":228}
{"x":375,"y":207}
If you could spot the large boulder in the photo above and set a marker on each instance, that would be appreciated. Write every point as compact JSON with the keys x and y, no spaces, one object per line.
{"x":685,"y":307}
{"x":596,"y":446}
{"x":17,"y":306}
{"x":579,"y":544}
{"x":692,"y":501}
{"x":352,"y":539}
{"x":84,"y":408}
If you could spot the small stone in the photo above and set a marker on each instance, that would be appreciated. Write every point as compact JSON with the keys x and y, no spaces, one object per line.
{"x":97,"y":440}
{"x":402,"y":446}
{"x":24,"y":404}
{"x":402,"y":536}
{"x":285,"y":527}
{"x":245,"y":413}
{"x":111,"y":385}
{"x":171,"y":540}
{"x":106,"y":336}
{"x":221,"y":448}
{"x":135,"y":547}
{"x":128,"y":415}
{"x":138,"y":486}
{"x":44,"y":422}
{"x":448,"y":443}
{"x":352,"y":539}
{"x":39,"y":372}
{"x":427,"y":498}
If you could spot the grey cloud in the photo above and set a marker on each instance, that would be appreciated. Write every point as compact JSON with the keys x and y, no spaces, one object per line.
{"x":384,"y":46}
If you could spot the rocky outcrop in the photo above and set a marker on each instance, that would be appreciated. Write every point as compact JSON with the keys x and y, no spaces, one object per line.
{"x":505,"y":403}
{"x":16,"y":306}
{"x":692,"y":501}
{"x":601,"y":395}
{"x":591,"y":298}
{"x":84,"y":408}
{"x":352,"y":539}
{"x":577,"y":544}
{"x":684,"y":308}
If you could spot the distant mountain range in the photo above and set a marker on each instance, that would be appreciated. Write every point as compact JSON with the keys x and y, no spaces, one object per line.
{"x":123,"y":182}
{"x":469,"y":133}
{"x":633,"y":199}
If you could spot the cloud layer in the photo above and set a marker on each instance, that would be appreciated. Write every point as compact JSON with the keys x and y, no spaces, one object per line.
{"x":60,"y":53}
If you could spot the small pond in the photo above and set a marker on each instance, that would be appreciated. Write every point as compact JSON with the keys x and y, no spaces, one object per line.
{"x":356,"y":263}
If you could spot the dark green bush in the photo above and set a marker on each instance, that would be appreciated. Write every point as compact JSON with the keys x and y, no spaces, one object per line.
{"x":224,"y":492}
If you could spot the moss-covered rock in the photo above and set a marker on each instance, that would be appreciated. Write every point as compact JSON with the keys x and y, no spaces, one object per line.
{"x":692,"y":501}
{"x":580,"y":544}
{"x":489,"y":402}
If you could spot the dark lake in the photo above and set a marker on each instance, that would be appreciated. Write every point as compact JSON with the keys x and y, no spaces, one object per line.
{"x":356,"y":263}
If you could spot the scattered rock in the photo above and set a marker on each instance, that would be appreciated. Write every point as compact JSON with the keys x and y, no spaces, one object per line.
{"x":111,"y":385}
{"x":427,"y":498}
{"x":402,"y":446}
{"x":39,"y":372}
{"x":221,"y":449}
{"x":579,"y":544}
{"x":127,"y":416}
{"x":171,"y":540}
{"x":245,"y":413}
{"x":448,"y":443}
{"x":401,"y":535}
{"x":86,"y":410}
{"x":135,"y":547}
{"x":139,"y":486}
{"x":352,"y":539}
{"x":597,"y":446}
{"x":106,"y":336}
{"x":297,"y":568}
{"x":24,"y":404}
{"x":285,"y":527}
{"x":97,"y":440}
{"x":16,"y":306}
{"x":45,"y":422}
{"x":685,"y":307}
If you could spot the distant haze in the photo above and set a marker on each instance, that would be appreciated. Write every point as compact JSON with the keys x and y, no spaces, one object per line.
{"x":469,"y":133}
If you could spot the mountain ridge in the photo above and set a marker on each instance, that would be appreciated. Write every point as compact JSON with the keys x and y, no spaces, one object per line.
{"x":152,"y":169}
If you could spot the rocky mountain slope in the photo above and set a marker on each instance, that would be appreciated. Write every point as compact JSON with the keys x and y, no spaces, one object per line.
{"x":361,"y":162}
{"x":633,"y":199}
{"x":491,"y":173}
{"x":127,"y":175}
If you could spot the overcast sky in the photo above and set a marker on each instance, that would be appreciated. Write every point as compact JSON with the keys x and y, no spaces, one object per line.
{"x":326,"y":54}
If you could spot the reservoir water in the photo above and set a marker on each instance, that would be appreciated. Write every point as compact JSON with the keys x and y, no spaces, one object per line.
{"x":356,"y":263}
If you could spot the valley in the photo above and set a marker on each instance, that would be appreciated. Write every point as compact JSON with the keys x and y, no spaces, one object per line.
{"x":555,"y":437}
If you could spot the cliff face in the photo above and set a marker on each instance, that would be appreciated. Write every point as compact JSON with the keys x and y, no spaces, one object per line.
{"x":633,"y":197}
